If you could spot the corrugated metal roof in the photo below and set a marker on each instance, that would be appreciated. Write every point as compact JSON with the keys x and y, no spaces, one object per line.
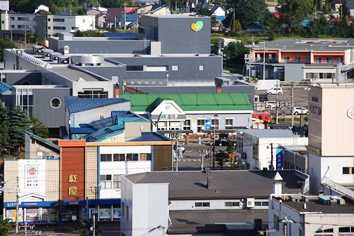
{"x":38,"y":138}
{"x":191,"y":102}
{"x":269,"y":133}
{"x":150,"y":137}
{"x":4,"y":87}
{"x":75,"y":104}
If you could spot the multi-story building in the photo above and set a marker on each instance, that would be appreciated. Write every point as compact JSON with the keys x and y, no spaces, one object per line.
{"x":315,"y":60}
{"x":15,"y":25}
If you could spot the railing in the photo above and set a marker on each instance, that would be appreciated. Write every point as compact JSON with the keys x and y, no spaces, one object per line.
{"x":339,"y":188}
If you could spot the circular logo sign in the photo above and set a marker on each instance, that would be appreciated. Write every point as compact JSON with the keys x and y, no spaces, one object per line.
{"x":32,"y":171}
{"x":350,"y":113}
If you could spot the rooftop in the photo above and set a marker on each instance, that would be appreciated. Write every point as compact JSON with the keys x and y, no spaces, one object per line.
{"x":269,"y":133}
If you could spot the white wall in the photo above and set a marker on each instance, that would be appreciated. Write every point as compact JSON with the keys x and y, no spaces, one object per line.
{"x":214,"y":204}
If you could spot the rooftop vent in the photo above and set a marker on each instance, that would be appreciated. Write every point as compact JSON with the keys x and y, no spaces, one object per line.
{"x":87,"y":60}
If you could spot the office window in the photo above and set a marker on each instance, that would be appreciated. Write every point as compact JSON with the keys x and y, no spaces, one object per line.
{"x":175,"y":68}
{"x":318,"y":60}
{"x":229,"y":122}
{"x":59,"y":27}
{"x":201,"y":67}
{"x":261,"y":203}
{"x":348,"y":170}
{"x":202,"y":204}
{"x":232,"y":204}
{"x":119,"y":157}
{"x":297,"y":59}
{"x":106,"y":157}
{"x":116,"y":181}
{"x":145,"y":156}
{"x":286,"y":59}
{"x":329,"y":60}
{"x":106,"y":181}
{"x":132,"y":157}
{"x":57,"y":20}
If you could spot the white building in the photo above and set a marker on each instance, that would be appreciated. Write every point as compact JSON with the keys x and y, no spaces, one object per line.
{"x":311,"y":215}
{"x":258,"y":146}
{"x":331,"y":122}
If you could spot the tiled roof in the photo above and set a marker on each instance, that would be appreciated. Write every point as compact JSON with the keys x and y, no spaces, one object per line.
{"x":4,"y":87}
{"x":150,"y":137}
{"x":194,"y":221}
{"x":75,"y":104}
{"x":192,"y":102}
{"x":230,"y":184}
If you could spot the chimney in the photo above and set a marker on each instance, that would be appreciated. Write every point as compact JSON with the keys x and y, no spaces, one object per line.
{"x":218,"y":88}
{"x":116,"y":90}
{"x":277,"y":184}
{"x":209,"y":182}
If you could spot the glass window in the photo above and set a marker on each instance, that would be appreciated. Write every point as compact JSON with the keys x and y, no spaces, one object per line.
{"x":347,"y":170}
{"x":55,"y":103}
{"x":229,"y":122}
{"x":232,"y":204}
{"x":329,"y":59}
{"x":202,"y":204}
{"x":106,"y":181}
{"x":175,"y":68}
{"x":106,"y":157}
{"x":116,"y":181}
{"x":145,"y":156}
{"x":297,"y":59}
{"x":201,"y":67}
{"x":286,"y":59}
{"x":119,"y":157}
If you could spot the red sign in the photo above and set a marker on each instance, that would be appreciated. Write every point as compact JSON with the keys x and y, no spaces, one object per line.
{"x":315,"y":110}
{"x":32,"y":171}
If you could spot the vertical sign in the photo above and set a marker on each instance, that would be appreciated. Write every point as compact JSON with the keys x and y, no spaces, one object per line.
{"x":279,"y":159}
{"x":207,"y":124}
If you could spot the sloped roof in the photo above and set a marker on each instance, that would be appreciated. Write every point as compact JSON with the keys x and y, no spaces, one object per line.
{"x":222,"y":184}
{"x":150,"y":137}
{"x":75,"y":104}
{"x":42,"y":140}
{"x":4,"y":87}
{"x":191,"y":102}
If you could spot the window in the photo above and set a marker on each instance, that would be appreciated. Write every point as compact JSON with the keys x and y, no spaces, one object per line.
{"x":318,"y":60}
{"x":57,"y":20}
{"x":215,"y":123}
{"x":276,"y":222}
{"x":94,"y":93}
{"x":200,"y":125}
{"x":201,"y":67}
{"x":83,"y":20}
{"x":202,"y":204}
{"x":55,"y":103}
{"x":286,"y":59}
{"x":348,"y":170}
{"x":307,"y":59}
{"x":106,"y":181}
{"x":229,"y":123}
{"x":132,"y":157}
{"x":106,"y":157}
{"x":119,"y":157}
{"x":175,"y":68}
{"x":329,"y":60}
{"x":297,"y":59}
{"x":187,"y":125}
{"x":127,"y":211}
{"x":59,"y":27}
{"x":232,"y":204}
{"x":339,"y":59}
{"x":116,"y":181}
{"x":122,"y":209}
{"x":261,"y":203}
{"x":145,"y":156}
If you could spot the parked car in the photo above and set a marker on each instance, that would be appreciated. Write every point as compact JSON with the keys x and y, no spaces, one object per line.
{"x":270,"y":104}
{"x":275,"y":90}
{"x":300,"y":111}
{"x":223,"y":142}
{"x":180,"y":147}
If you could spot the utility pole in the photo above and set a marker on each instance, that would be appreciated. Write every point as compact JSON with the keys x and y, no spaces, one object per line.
{"x":25,"y":37}
{"x":125,"y":15}
{"x":292,"y":105}
{"x":94,"y":225}
{"x":17,"y":202}
{"x":264,"y":60}
{"x":276,"y":105}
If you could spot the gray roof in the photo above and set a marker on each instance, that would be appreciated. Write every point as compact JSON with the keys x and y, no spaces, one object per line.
{"x":229,"y":184}
{"x":209,"y":220}
{"x":75,"y":104}
{"x":269,"y":133}
{"x":316,"y":206}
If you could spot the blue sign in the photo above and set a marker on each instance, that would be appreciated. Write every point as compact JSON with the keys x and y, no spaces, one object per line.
{"x":207,"y":124}
{"x":279,"y":159}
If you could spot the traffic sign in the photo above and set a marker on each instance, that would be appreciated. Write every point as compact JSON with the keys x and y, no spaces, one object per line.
{"x":207,"y":124}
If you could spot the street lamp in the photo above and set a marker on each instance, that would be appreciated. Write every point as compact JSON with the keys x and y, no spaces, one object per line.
{"x":215,"y":118}
{"x":271,"y":167}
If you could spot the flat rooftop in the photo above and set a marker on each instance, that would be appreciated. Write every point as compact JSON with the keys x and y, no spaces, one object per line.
{"x":269,"y":133}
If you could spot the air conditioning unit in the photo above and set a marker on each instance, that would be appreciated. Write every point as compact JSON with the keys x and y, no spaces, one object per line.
{"x":250,"y":202}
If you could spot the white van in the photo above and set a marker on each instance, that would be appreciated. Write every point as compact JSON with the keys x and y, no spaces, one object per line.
{"x":275,"y":90}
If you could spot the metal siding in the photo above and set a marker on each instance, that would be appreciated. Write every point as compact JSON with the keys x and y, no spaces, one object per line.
{"x":293,"y":72}
{"x":41,"y":107}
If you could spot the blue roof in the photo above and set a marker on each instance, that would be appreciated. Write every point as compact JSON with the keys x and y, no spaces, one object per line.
{"x":75,"y":104}
{"x":4,"y":87}
{"x":42,"y":140}
{"x":150,"y":137}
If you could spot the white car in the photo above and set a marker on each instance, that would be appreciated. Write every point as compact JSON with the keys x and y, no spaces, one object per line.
{"x":275,"y":90}
{"x":300,"y":111}
{"x":180,"y":147}
{"x":270,"y":104}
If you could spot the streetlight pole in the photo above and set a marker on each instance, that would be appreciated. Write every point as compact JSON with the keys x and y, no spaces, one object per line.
{"x":264,"y":60}
{"x":271,"y":167}
{"x":17,"y":202}
{"x":215,"y":116}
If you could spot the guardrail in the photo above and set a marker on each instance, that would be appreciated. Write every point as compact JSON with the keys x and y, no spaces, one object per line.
{"x":339,"y":188}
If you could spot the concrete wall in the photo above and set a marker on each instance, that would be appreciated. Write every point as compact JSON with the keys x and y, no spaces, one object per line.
{"x":20,"y":78}
{"x":293,"y":72}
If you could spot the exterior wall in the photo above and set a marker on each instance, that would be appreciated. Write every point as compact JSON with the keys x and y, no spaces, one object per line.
{"x":314,"y":221}
{"x":78,"y":86}
{"x":11,"y":169}
{"x":52,"y":180}
{"x":315,"y":172}
{"x":72,"y":162}
{"x":91,"y":167}
{"x":17,"y":22}
{"x":133,"y":129}
{"x":293,"y":72}
{"x":34,"y":150}
{"x":292,"y":56}
{"x":141,"y":215}
{"x":19,"y":78}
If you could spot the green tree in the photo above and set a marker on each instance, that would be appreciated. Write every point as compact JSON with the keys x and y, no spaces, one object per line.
{"x":19,"y":123}
{"x":4,"y":127}
{"x":235,"y":51}
{"x":230,"y":147}
{"x":295,"y":11}
{"x":5,"y":225}
{"x":236,"y":26}
{"x":203,"y":11}
{"x":39,"y":128}
{"x":89,"y":33}
{"x":5,"y":43}
{"x":245,"y":11}
{"x":316,"y":28}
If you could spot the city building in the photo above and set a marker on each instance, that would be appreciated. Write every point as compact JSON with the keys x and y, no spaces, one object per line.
{"x":217,"y":202}
{"x":315,"y":60}
{"x":330,"y":152}
{"x":264,"y":148}
{"x":294,"y":214}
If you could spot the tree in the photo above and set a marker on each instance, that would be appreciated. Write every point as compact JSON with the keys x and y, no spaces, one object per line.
{"x":5,"y":43}
{"x":5,"y":225}
{"x":203,"y":11}
{"x":295,"y":11}
{"x":236,"y":26}
{"x":4,"y":127}
{"x":19,"y":123}
{"x":246,"y":11}
{"x":39,"y":128}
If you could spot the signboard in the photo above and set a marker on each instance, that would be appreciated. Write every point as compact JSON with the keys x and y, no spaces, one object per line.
{"x":207,"y":124}
{"x":279,"y":159}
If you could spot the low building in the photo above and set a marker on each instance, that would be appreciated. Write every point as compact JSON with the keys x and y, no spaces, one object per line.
{"x":217,"y":202}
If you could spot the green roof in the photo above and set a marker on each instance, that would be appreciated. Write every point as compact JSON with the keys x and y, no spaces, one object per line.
{"x":191,"y":102}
